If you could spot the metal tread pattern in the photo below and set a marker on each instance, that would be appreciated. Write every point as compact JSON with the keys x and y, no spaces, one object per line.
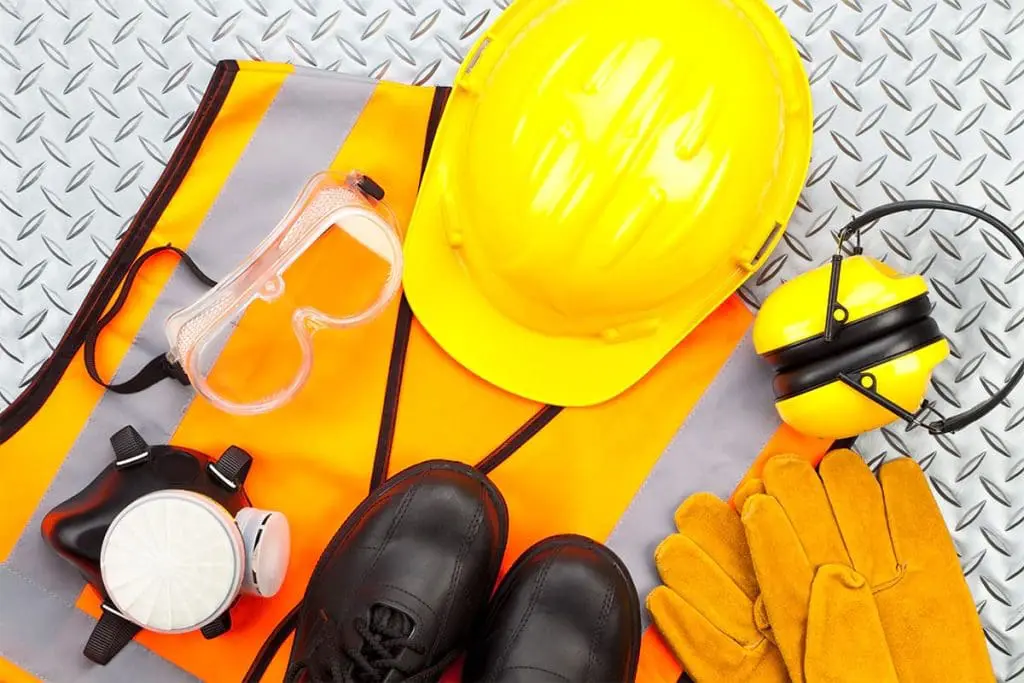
{"x":913,"y":99}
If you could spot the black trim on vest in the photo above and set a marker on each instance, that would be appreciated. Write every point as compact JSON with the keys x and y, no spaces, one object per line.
{"x":519,"y":438}
{"x":271,"y":645}
{"x":28,"y":403}
{"x":403,"y":328}
{"x":392,"y":390}
{"x":400,"y":349}
{"x":441,"y":94}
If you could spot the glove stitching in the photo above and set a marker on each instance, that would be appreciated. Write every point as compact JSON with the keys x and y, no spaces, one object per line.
{"x":901,"y":571}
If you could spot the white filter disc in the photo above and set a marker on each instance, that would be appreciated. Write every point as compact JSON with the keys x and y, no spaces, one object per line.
{"x":172,"y":561}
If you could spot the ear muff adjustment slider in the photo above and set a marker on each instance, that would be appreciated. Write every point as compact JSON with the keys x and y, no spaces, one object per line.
{"x":866,"y":384}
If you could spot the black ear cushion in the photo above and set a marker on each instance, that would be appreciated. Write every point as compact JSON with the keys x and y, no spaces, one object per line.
{"x":790,"y":383}
{"x":853,"y":334}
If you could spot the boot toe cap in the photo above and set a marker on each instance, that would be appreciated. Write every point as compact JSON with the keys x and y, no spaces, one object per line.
{"x":568,"y":608}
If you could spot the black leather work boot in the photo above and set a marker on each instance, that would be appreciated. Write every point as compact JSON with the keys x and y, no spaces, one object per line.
{"x":404,"y":582}
{"x":566,"y":612}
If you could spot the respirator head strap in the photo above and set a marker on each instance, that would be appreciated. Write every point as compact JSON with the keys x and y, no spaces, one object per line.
{"x":231,"y":469}
{"x":110,"y":635}
{"x":158,"y":368}
{"x":217,"y":627}
{"x":129,"y":447}
{"x":960,"y":420}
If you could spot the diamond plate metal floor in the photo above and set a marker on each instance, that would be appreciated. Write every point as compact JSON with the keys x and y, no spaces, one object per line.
{"x":913,"y":98}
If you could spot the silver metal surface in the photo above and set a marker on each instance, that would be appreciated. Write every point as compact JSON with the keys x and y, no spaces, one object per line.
{"x":913,"y":99}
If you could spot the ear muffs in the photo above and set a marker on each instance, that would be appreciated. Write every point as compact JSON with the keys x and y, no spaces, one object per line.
{"x":858,"y":359}
{"x":853,"y":343}
{"x":855,"y":334}
{"x":815,"y":400}
{"x":888,"y":343}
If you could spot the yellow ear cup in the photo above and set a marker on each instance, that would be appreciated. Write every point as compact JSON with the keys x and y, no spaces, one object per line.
{"x":795,"y":312}
{"x":887,"y":340}
{"x":834,"y":410}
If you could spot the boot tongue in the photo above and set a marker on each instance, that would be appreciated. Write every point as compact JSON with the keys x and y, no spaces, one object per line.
{"x":390,"y":622}
{"x":386,"y":623}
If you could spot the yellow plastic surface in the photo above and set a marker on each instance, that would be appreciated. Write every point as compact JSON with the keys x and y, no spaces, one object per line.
{"x":838,"y":411}
{"x":593,"y":195}
{"x":796,"y":310}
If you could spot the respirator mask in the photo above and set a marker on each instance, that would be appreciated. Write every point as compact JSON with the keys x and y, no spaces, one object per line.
{"x":170,"y":540}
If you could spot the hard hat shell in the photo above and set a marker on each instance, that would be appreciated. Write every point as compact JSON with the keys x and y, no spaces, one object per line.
{"x":603,"y":177}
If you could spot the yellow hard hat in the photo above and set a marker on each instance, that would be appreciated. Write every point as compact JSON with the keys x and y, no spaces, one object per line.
{"x":602,"y":178}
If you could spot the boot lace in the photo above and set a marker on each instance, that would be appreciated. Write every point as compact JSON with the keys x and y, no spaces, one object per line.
{"x":386,"y":634}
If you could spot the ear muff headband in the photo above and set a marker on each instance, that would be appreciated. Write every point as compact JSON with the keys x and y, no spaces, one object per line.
{"x":837,"y":314}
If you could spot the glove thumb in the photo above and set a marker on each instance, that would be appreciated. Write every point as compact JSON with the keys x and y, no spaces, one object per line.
{"x":845,"y":639}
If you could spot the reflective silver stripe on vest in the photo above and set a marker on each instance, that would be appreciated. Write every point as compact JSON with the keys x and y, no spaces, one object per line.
{"x":41,"y":630}
{"x":721,"y":437}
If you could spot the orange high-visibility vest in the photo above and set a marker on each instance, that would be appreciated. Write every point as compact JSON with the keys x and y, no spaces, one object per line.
{"x":381,"y":397}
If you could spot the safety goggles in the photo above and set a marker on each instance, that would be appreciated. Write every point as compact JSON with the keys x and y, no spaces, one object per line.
{"x":333,"y":261}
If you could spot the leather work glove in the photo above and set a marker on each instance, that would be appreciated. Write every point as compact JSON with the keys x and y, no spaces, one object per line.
{"x":707,"y":609}
{"x":859,"y":578}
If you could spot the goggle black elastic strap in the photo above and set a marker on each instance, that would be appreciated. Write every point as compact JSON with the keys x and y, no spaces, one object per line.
{"x":159,"y":368}
{"x":837,"y":315}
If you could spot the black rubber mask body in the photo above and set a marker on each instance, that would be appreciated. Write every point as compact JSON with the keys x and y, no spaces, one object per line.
{"x":76,"y":527}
